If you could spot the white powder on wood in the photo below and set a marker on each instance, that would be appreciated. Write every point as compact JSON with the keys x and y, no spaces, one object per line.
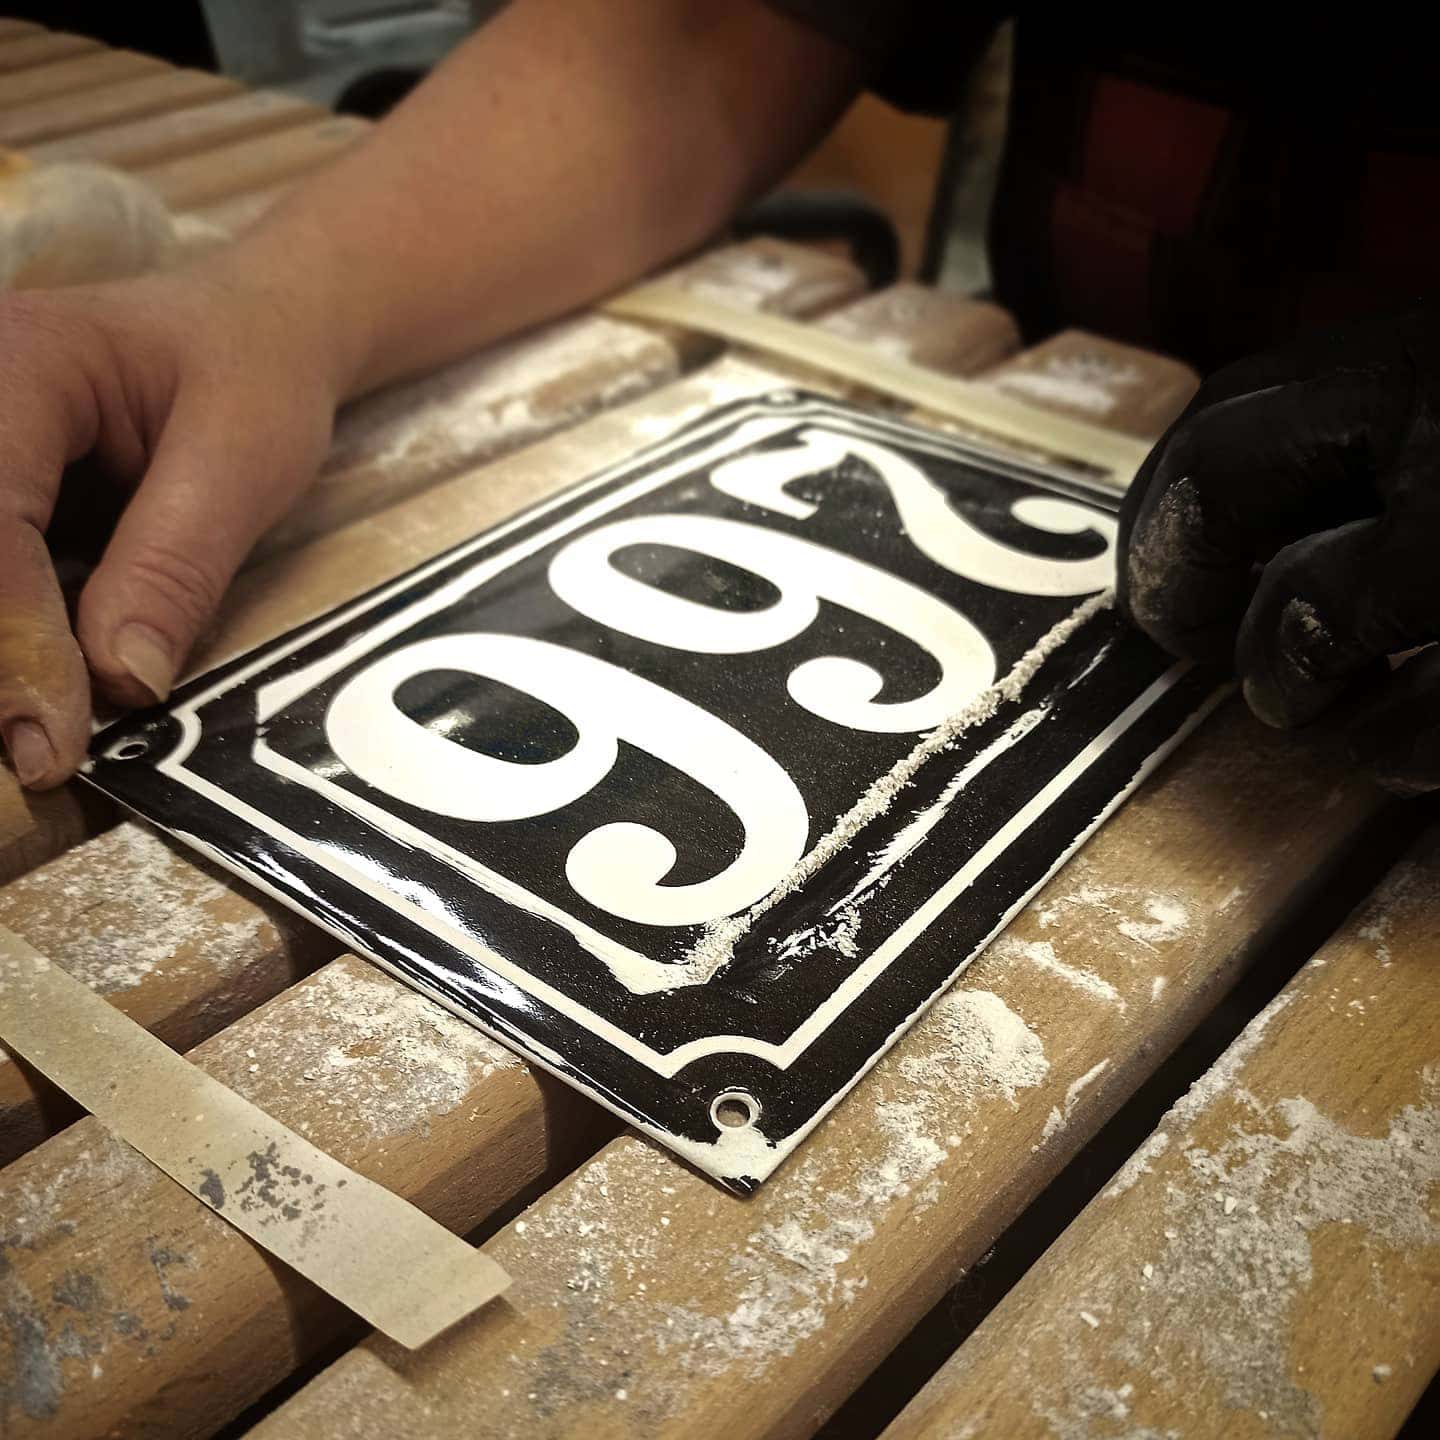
{"x":117,"y":909}
{"x":1059,"y":1116}
{"x":1168,"y":919}
{"x":1041,"y":954}
{"x":733,"y":1287}
{"x":1237,"y":1258}
{"x":1077,"y":382}
{"x":483,"y":407}
{"x":387,"y":1056}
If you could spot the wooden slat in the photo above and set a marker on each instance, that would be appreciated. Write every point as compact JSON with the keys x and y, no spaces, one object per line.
{"x":176,"y":945}
{"x":33,"y":827}
{"x":1100,"y":380}
{"x":133,"y":1310}
{"x":31,"y":50}
{"x":935,"y":328}
{"x":195,"y":180}
{"x":982,"y":408}
{"x":15,"y":29}
{"x":646,"y":1300}
{"x":1268,"y":1263}
{"x":115,"y":104}
{"x":164,"y":137}
{"x":69,"y":77}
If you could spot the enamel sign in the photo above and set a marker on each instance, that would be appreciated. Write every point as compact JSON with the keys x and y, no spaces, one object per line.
{"x":699,"y":782}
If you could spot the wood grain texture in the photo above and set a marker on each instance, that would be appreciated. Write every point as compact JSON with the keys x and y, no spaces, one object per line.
{"x":128,"y":1308}
{"x":27,"y":51}
{"x":69,"y":77}
{"x":985,"y":409}
{"x":192,"y":181}
{"x":194,"y":129}
{"x":33,"y":827}
{"x":380,"y":1256}
{"x":648,"y":1302}
{"x":411,"y":435}
{"x":114,"y":104}
{"x":1268,"y":1263}
{"x":175,"y":944}
{"x":1100,"y":380}
{"x":934,"y":328}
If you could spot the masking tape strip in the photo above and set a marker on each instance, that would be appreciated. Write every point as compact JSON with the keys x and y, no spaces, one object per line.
{"x":390,"y":1263}
{"x":966,"y":401}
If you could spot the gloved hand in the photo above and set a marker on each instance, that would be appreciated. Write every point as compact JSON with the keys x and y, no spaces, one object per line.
{"x":1290,"y":521}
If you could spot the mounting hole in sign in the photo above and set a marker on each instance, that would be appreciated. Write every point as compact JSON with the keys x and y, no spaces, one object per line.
{"x":129,"y":749}
{"x":734,"y":1110}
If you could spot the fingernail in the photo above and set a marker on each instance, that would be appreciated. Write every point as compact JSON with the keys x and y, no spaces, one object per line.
{"x":31,"y":752}
{"x":147,"y":657}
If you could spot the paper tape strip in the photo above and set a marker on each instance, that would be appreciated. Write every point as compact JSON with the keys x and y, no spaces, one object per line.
{"x":971,"y":403}
{"x":390,"y":1263}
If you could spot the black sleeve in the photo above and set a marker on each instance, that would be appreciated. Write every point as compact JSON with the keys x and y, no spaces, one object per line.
{"x":917,"y":54}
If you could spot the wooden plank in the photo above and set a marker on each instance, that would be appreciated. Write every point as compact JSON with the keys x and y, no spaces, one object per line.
{"x":645,"y":1299}
{"x":132,"y":1309}
{"x":935,"y":328}
{"x":69,"y":77}
{"x":411,"y":435}
{"x":1268,"y":1263}
{"x":28,"y":51}
{"x":113,"y":104}
{"x":982,"y":408}
{"x":158,"y":138}
{"x":33,"y":827}
{"x":195,"y":180}
{"x":173,"y":943}
{"x":1100,"y":380}
{"x":14,"y":29}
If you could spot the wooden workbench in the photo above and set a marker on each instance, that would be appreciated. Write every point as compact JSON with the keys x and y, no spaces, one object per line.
{"x":1266,"y":1263}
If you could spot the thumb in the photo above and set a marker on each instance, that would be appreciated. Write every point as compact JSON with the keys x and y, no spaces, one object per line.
{"x":219,"y":478}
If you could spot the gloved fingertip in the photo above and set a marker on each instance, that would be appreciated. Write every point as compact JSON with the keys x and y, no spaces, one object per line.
{"x":1265,"y":701}
{"x":1294,"y":667}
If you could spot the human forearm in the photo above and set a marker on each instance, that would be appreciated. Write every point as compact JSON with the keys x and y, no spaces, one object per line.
{"x":566,"y":148}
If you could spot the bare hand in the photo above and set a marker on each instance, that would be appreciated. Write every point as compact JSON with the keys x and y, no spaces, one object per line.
{"x":210,"y":400}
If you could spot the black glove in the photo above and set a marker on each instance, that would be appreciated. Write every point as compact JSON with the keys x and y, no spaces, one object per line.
{"x":1290,"y":519}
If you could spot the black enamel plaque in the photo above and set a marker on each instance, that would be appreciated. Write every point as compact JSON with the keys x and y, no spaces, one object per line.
{"x":697,"y":783}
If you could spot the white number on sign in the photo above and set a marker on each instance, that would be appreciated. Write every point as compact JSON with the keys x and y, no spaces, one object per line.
{"x":933,"y":525}
{"x":618,"y":867}
{"x":831,"y":686}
